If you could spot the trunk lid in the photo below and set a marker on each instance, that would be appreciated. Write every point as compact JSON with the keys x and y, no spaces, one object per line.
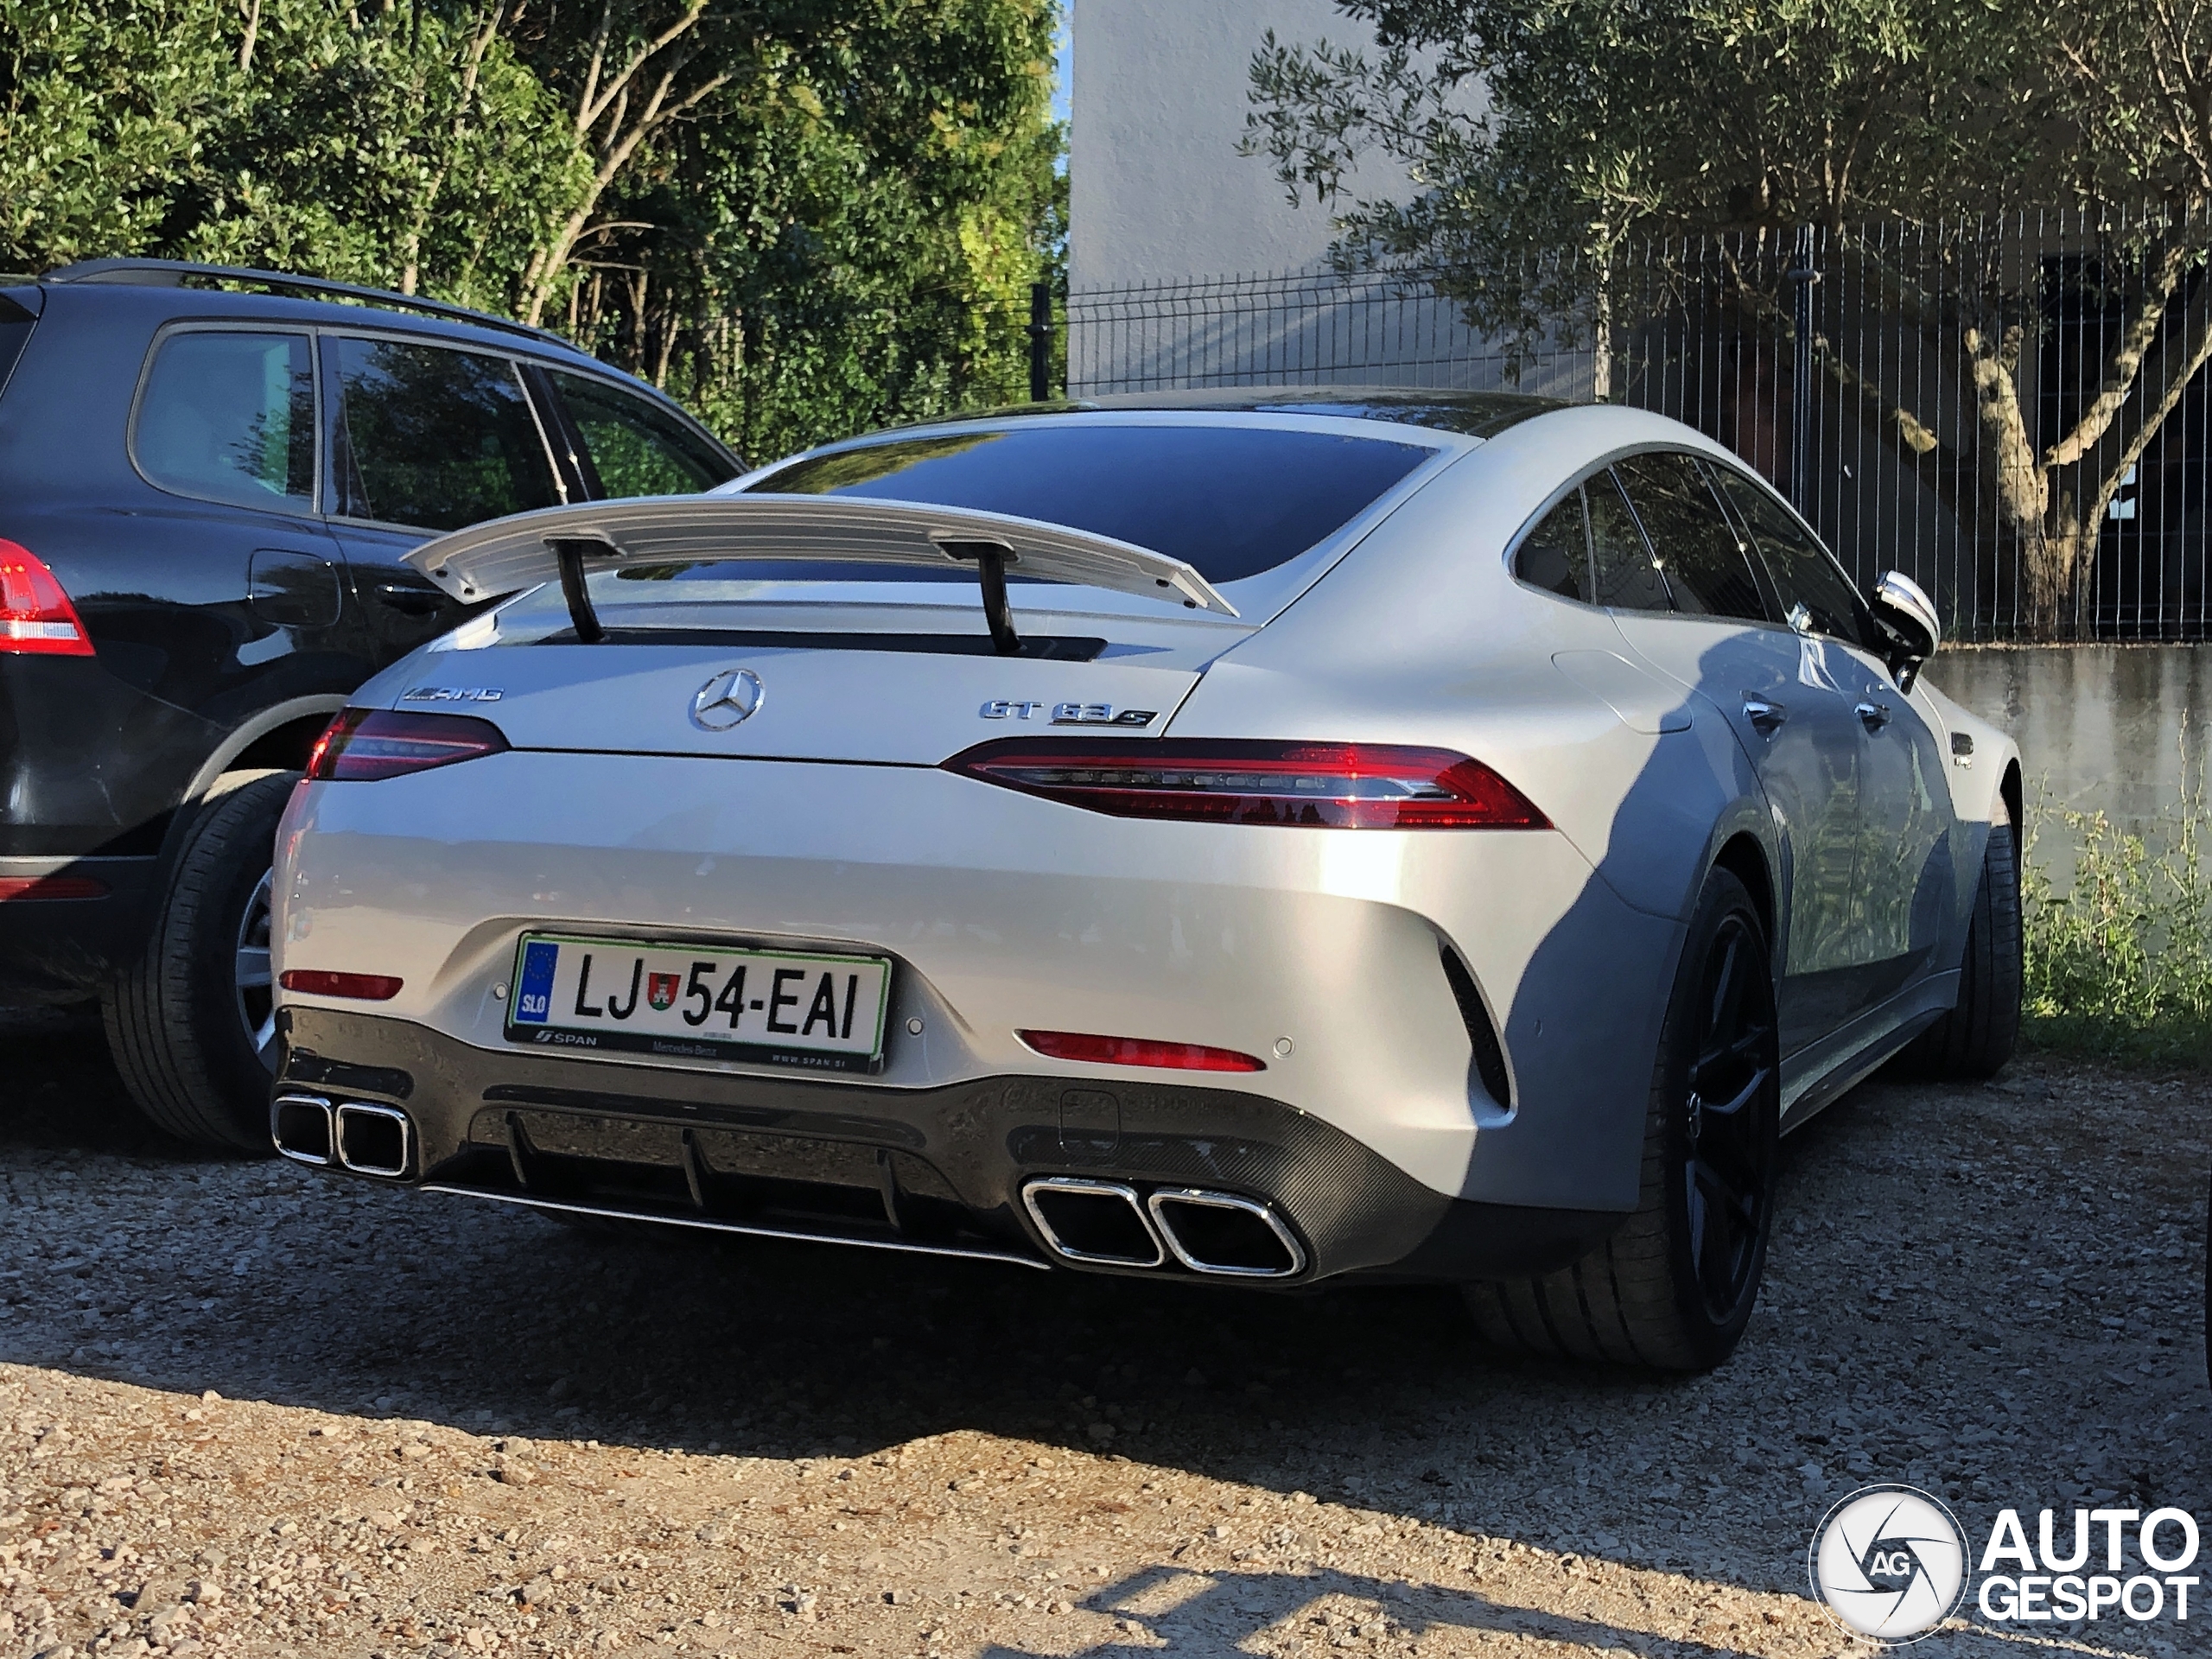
{"x":903,"y":684}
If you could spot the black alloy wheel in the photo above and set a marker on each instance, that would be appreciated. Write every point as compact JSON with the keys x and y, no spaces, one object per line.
{"x":1673,"y":1286}
{"x":1728,"y":1153}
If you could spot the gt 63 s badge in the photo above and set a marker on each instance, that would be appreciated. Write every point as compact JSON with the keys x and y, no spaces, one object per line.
{"x":1069,"y":714}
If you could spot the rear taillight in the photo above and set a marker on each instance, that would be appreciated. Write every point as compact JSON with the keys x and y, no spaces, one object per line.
{"x":1138,"y":1051}
{"x":27,"y":887}
{"x":36,"y":619}
{"x":1324,"y":785}
{"x":362,"y":745}
{"x":317,"y":981}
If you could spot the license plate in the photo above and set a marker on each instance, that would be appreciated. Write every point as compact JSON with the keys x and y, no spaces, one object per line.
{"x":689,"y":1002}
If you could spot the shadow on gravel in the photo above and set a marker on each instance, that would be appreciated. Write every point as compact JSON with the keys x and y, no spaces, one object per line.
{"x":1903,"y":1338}
{"x":1194,"y":1612}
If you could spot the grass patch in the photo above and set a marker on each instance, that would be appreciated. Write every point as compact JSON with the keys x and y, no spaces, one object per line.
{"x":2120,"y":965}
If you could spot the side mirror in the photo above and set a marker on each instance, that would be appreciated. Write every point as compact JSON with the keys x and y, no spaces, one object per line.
{"x":1907,"y":616}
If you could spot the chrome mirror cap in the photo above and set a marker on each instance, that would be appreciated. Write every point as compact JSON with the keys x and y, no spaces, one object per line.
{"x":1908,"y":615}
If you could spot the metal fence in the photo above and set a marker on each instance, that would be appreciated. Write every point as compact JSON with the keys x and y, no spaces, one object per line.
{"x":2012,"y":410}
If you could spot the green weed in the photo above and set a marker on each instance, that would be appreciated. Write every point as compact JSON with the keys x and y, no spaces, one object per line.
{"x":2119,"y":964}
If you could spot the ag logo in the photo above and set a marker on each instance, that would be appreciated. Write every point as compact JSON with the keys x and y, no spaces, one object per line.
{"x":1889,"y":1562}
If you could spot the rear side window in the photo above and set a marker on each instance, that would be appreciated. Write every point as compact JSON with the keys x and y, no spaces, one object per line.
{"x":1230,"y":501}
{"x":1556,"y":555}
{"x":14,"y":333}
{"x":634,"y":448}
{"x":1625,"y":576}
{"x":230,"y":417}
{"x":1802,"y":571}
{"x":1708,"y":572}
{"x":436,"y":438}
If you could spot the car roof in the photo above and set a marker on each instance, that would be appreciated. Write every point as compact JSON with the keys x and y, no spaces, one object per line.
{"x":227,"y":291}
{"x":1468,"y":414}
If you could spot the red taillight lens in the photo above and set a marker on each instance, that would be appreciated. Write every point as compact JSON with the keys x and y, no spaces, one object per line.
{"x":36,"y":619}
{"x":314,"y":981}
{"x":1323,"y":786}
{"x":1138,"y":1051}
{"x":362,"y":745}
{"x":27,"y":887}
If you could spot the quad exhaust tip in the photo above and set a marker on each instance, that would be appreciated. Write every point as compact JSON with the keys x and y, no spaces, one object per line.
{"x":1221,"y":1233}
{"x":303,"y":1129}
{"x":373,"y":1139}
{"x":366,"y":1139}
{"x":1101,"y":1223}
{"x":1106,"y":1224}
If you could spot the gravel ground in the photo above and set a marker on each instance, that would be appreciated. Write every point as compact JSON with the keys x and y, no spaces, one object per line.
{"x":247,"y":1410}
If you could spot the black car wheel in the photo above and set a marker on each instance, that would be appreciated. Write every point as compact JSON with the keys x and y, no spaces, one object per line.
{"x":192,"y":1022}
{"x":1977,"y":1036}
{"x":1673,"y":1286}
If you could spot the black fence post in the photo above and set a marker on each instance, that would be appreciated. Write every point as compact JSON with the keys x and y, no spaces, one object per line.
{"x":1040,"y":341}
{"x":1802,"y":275}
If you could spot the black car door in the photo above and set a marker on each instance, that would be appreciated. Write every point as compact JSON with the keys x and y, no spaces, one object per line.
{"x":425,"y":437}
{"x":225,"y":427}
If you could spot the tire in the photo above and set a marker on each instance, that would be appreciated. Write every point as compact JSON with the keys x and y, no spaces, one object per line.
{"x":1977,"y":1037}
{"x":1672,"y":1289}
{"x":177,"y":1017}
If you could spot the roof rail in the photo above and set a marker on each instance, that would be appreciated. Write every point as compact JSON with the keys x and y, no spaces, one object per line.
{"x":173,"y":273}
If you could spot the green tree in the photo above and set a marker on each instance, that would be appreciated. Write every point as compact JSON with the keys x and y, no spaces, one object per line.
{"x":807,"y":215}
{"x":1577,"y":127}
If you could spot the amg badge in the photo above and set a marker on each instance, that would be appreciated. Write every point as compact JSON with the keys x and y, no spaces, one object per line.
{"x":451,"y":694}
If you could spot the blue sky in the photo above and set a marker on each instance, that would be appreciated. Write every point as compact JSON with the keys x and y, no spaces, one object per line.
{"x":1063,"y":60}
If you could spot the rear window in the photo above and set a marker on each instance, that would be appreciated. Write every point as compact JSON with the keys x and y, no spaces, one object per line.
{"x":14,"y":333}
{"x":230,"y":417}
{"x":1230,"y":501}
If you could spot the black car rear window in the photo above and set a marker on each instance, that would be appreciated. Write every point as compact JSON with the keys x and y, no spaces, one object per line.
{"x":16,"y":323}
{"x":1230,"y":501}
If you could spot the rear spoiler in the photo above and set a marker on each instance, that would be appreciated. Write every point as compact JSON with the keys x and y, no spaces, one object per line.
{"x":569,"y":543}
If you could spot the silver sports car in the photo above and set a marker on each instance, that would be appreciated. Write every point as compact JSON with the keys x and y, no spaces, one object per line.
{"x":1264,"y":837}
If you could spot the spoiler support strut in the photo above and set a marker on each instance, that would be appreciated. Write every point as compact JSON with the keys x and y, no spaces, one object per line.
{"x":569,"y":555}
{"x":991,"y":560}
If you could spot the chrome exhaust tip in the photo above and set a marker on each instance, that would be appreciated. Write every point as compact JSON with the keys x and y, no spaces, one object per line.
{"x":301,"y":1126}
{"x":373,"y":1139}
{"x":1101,"y":1223}
{"x":1222,"y":1234}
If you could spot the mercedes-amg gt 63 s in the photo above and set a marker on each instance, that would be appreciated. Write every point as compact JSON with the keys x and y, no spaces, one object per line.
{"x":1263,"y":838}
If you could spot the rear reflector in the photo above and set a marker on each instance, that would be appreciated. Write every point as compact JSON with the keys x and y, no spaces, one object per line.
{"x":1321,"y":785}
{"x":316,"y":981}
{"x":36,"y":619}
{"x":363,"y":745}
{"x":27,"y":887}
{"x":1137,"y":1050}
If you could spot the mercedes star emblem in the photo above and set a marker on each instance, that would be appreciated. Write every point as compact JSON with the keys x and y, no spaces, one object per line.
{"x":731,"y":696}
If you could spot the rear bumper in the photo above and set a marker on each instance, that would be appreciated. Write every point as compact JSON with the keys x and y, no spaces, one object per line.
{"x":941,"y":1168}
{"x":1326,"y":953}
{"x":59,"y":949}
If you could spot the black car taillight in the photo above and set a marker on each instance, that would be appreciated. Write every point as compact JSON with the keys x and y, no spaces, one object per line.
{"x":1323,"y":786}
{"x":36,"y":619}
{"x":362,"y":745}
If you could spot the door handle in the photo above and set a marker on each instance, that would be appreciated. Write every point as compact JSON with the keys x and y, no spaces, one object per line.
{"x":1765,"y":715}
{"x":1872,"y":715}
{"x":406,"y":596}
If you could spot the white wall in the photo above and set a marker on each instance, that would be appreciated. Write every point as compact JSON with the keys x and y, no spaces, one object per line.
{"x":1158,"y":191}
